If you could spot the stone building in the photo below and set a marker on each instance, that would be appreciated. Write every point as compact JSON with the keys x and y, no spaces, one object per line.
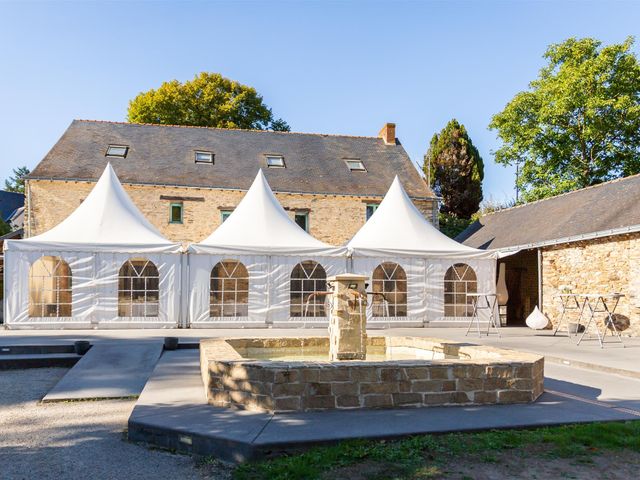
{"x":187,"y":180}
{"x":587,"y":241}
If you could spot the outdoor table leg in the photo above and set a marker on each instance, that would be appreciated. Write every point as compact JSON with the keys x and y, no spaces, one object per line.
{"x":592,"y":311}
{"x":474,"y":316}
{"x":609,"y":320}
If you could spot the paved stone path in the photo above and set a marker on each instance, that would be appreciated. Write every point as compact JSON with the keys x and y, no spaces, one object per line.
{"x":108,"y":370}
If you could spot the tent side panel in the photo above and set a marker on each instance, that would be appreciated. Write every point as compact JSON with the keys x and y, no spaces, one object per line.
{"x":414,"y":269}
{"x":162,"y":309}
{"x":201,"y":267}
{"x":30,"y":291}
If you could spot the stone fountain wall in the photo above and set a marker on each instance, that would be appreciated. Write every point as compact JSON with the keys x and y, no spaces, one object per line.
{"x":479,"y":375}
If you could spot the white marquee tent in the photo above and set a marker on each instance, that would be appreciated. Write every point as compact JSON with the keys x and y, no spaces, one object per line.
{"x":258,"y":267}
{"x":104,"y":266}
{"x":423,"y":275}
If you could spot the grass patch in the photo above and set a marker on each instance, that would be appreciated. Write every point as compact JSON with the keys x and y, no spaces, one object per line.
{"x":422,"y":457}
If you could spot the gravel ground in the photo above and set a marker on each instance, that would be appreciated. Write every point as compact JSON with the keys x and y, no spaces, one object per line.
{"x":77,"y":440}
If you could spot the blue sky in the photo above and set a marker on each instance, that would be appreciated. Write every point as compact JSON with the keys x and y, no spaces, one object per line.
{"x":329,"y":67}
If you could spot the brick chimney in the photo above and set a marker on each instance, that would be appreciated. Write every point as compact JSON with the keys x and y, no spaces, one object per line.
{"x":388,"y":133}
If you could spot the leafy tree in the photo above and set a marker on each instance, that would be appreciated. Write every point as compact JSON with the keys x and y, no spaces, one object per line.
{"x":456,"y":172}
{"x":578,"y":124}
{"x":4,"y":227}
{"x":451,"y":225}
{"x":209,"y":100}
{"x":16,"y":182}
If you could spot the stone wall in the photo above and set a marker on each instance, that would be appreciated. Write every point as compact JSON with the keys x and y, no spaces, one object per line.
{"x":610,"y":264}
{"x":332,"y":218}
{"x":480,"y":375}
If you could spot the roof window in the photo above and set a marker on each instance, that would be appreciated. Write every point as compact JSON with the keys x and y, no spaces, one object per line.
{"x":204,"y":157}
{"x":119,"y":151}
{"x":275,"y":161}
{"x":355,"y":165}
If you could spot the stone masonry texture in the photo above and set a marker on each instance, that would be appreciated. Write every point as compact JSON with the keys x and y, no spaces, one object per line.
{"x":477,"y":375}
{"x":605,"y":265}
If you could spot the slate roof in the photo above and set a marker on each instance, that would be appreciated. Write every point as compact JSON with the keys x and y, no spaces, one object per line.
{"x":607,"y":206}
{"x":9,"y":203}
{"x":164,"y":155}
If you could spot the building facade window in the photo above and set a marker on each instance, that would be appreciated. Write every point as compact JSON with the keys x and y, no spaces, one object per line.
{"x":302,"y":220}
{"x":117,"y":151}
{"x":175,"y":213}
{"x":224,"y":214}
{"x":138,"y":289}
{"x":275,"y":161}
{"x":204,"y":157}
{"x":390,"y":291}
{"x":229,"y":292}
{"x":371,"y":209}
{"x":459,"y":280}
{"x":355,"y":165}
{"x":307,"y":277}
{"x":50,"y":288}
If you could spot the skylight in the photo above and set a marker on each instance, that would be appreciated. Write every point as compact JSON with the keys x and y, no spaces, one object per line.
{"x":355,"y":165}
{"x":275,"y":161}
{"x":119,"y":151}
{"x":204,"y":157}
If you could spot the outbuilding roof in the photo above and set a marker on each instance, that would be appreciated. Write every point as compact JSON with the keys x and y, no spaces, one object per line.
{"x":599,"y":210}
{"x":165,"y":155}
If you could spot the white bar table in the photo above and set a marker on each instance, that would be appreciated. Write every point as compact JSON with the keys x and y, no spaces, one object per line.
{"x":569,"y":301}
{"x":599,"y":303}
{"x":490,"y":302}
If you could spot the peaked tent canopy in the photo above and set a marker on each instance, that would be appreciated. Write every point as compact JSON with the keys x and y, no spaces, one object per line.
{"x":259,"y":225}
{"x":107,"y":220}
{"x":398,"y":228}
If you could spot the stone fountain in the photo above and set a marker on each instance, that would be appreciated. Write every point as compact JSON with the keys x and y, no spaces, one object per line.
{"x":350,"y":370}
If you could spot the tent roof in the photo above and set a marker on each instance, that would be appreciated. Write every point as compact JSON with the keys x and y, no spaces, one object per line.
{"x":398,"y":228}
{"x":259,"y":224}
{"x":106,"y":220}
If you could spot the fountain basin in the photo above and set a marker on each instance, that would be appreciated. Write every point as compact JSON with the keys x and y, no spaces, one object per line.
{"x":294,"y":374}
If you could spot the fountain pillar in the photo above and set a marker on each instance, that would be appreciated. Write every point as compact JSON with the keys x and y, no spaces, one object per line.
{"x":348,"y":321}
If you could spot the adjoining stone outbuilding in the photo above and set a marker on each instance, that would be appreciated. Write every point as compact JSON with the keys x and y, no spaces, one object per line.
{"x":587,"y":240}
{"x":187,"y":180}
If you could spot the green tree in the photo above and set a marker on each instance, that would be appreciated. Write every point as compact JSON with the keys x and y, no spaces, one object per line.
{"x":578,"y":124}
{"x":4,"y":227}
{"x":16,"y":182}
{"x":209,"y":100}
{"x":456,"y":170}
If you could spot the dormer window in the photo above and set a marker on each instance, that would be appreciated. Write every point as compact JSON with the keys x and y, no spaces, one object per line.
{"x":355,"y":165}
{"x":117,"y":151}
{"x":275,"y":161}
{"x":204,"y":157}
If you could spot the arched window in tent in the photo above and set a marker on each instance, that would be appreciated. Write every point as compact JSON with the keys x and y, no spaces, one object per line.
{"x":307,"y":277}
{"x":390,"y":291}
{"x":138,"y":289}
{"x":50,"y":288}
{"x":459,"y":280}
{"x":229,"y":293}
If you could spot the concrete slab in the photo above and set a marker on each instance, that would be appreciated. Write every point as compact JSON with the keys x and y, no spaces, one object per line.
{"x":172,"y":413}
{"x":108,"y":371}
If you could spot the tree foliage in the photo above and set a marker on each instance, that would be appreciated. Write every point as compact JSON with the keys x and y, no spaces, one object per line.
{"x":15,"y":183}
{"x":209,"y":100}
{"x":457,"y":170}
{"x":578,"y":124}
{"x":451,"y":225}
